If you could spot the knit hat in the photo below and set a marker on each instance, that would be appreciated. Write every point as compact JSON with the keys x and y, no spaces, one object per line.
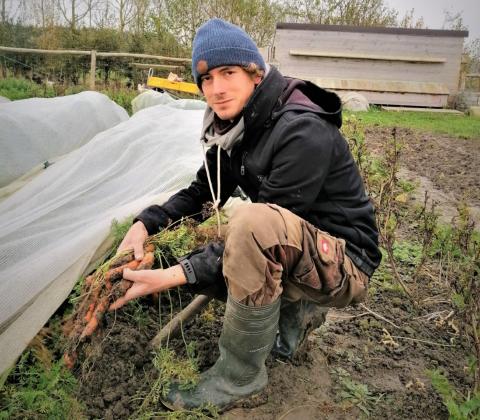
{"x":219,"y":43}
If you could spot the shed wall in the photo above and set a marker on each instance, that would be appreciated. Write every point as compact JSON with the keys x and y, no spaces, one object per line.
{"x":313,"y":54}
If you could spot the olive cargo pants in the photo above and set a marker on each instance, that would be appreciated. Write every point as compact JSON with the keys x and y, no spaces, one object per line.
{"x":269,"y":251}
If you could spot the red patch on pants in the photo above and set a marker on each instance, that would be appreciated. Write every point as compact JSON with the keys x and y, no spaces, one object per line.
{"x":324,"y":247}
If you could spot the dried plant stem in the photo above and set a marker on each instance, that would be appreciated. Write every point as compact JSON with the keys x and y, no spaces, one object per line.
{"x":397,"y":275}
{"x":376,"y":315}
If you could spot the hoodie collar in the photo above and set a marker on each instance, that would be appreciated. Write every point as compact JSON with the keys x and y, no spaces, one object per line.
{"x":264,"y":100}
{"x":277,"y":94}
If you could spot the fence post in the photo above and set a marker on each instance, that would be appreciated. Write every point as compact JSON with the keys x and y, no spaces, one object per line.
{"x":93,"y":68}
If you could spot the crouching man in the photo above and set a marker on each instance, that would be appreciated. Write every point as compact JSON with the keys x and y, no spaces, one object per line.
{"x":307,"y":242}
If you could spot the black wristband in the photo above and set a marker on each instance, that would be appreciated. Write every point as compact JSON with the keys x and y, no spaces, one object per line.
{"x":189,"y":271}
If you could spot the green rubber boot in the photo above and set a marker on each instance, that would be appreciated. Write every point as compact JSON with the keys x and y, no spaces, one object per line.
{"x":297,"y":321}
{"x":246,"y":341}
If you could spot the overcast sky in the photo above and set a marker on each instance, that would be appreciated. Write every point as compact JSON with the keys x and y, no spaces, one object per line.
{"x":434,"y":16}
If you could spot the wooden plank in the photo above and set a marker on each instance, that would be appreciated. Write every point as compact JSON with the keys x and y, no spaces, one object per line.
{"x":434,"y":110}
{"x":162,"y":83}
{"x":352,"y":69}
{"x":380,"y":85}
{"x":157,"y":66}
{"x":99,"y":54}
{"x":361,"y":56}
{"x":406,"y":99}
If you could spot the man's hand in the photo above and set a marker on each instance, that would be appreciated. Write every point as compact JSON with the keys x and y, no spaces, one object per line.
{"x":134,"y":239}
{"x":146,"y":282}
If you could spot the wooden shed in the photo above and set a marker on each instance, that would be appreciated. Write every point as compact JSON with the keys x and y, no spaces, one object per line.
{"x":389,"y":66}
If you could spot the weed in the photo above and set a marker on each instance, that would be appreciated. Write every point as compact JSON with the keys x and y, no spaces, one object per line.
{"x":35,"y":390}
{"x":407,"y":253}
{"x":459,"y":407}
{"x":204,"y":412}
{"x":381,"y":183}
{"x":355,"y":393}
{"x":208,"y":314}
{"x":15,"y":89}
{"x":118,"y":230}
{"x":171,"y":368}
{"x":122,"y":97}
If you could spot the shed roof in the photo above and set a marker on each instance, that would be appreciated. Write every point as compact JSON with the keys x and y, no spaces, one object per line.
{"x":373,"y":29}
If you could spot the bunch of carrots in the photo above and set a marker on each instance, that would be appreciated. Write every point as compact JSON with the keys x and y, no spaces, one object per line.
{"x":106,"y":284}
{"x":99,"y":291}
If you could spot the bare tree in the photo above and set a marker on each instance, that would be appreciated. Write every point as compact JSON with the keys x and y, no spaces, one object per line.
{"x":123,"y":10}
{"x":44,"y":13}
{"x":141,"y":13}
{"x":409,"y":21}
{"x":74,"y":11}
{"x":340,"y":12}
{"x":4,"y":11}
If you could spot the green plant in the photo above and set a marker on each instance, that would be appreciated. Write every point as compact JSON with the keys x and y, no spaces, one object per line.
{"x":408,"y":253}
{"x":171,"y":368}
{"x":36,"y":390}
{"x":355,"y":393}
{"x":15,"y":89}
{"x":457,"y":249}
{"x":119,"y":229}
{"x":461,"y":126}
{"x":122,"y":97}
{"x":382,"y":184}
{"x":459,"y":407}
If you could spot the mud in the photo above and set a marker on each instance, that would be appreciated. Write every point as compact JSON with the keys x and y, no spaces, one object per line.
{"x":354,"y":366}
{"x":452,"y":165}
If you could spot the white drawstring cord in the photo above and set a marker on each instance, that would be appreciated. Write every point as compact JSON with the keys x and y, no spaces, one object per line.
{"x":216,"y":200}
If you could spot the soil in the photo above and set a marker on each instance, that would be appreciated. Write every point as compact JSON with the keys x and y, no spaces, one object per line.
{"x":356,"y":365}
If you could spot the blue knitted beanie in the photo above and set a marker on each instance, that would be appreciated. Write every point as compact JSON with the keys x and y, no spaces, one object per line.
{"x":219,"y":43}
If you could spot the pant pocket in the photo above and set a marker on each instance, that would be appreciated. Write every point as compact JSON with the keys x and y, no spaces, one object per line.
{"x":321,"y":263}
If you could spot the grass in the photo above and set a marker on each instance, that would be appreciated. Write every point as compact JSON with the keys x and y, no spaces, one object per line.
{"x":15,"y":89}
{"x":462,"y":126}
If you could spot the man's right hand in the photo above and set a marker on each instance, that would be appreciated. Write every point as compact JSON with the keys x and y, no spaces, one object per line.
{"x":134,"y":239}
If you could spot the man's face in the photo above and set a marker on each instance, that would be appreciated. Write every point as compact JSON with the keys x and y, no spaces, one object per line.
{"x":227,"y":90}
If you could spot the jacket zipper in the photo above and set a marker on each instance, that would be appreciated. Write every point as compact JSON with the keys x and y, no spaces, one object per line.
{"x":242,"y":167}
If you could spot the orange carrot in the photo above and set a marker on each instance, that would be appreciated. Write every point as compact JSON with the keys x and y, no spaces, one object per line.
{"x":125,"y":285}
{"x":69,"y":360}
{"x":121,"y":260}
{"x":88,"y":315}
{"x":149,"y":248}
{"x":96,"y":318}
{"x":116,"y":273}
{"x":88,"y":281}
{"x":147,"y":261}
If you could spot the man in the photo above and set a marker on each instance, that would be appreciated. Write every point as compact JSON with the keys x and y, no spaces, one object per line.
{"x":307,"y":242}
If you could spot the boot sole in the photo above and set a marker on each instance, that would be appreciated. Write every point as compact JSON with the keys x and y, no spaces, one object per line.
{"x":221,"y":410}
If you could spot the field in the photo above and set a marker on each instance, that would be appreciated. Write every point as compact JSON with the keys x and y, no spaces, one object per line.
{"x":407,"y":352}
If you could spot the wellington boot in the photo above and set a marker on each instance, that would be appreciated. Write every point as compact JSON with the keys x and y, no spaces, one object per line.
{"x":297,"y":321}
{"x":246,"y":341}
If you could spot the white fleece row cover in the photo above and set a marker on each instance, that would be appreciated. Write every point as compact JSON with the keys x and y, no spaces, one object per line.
{"x":150,"y":98}
{"x":51,"y":229}
{"x":33,"y":131}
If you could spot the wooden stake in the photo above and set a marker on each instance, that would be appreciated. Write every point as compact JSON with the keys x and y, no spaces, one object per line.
{"x":93,"y":69}
{"x":174,"y":325}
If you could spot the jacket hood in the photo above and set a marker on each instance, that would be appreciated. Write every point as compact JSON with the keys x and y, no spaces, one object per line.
{"x":278,"y":94}
{"x":301,"y":95}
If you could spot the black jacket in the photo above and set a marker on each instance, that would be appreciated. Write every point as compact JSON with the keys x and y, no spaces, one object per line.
{"x":292,"y":154}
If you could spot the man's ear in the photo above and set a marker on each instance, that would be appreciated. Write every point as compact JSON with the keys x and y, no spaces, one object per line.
{"x":257,"y":79}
